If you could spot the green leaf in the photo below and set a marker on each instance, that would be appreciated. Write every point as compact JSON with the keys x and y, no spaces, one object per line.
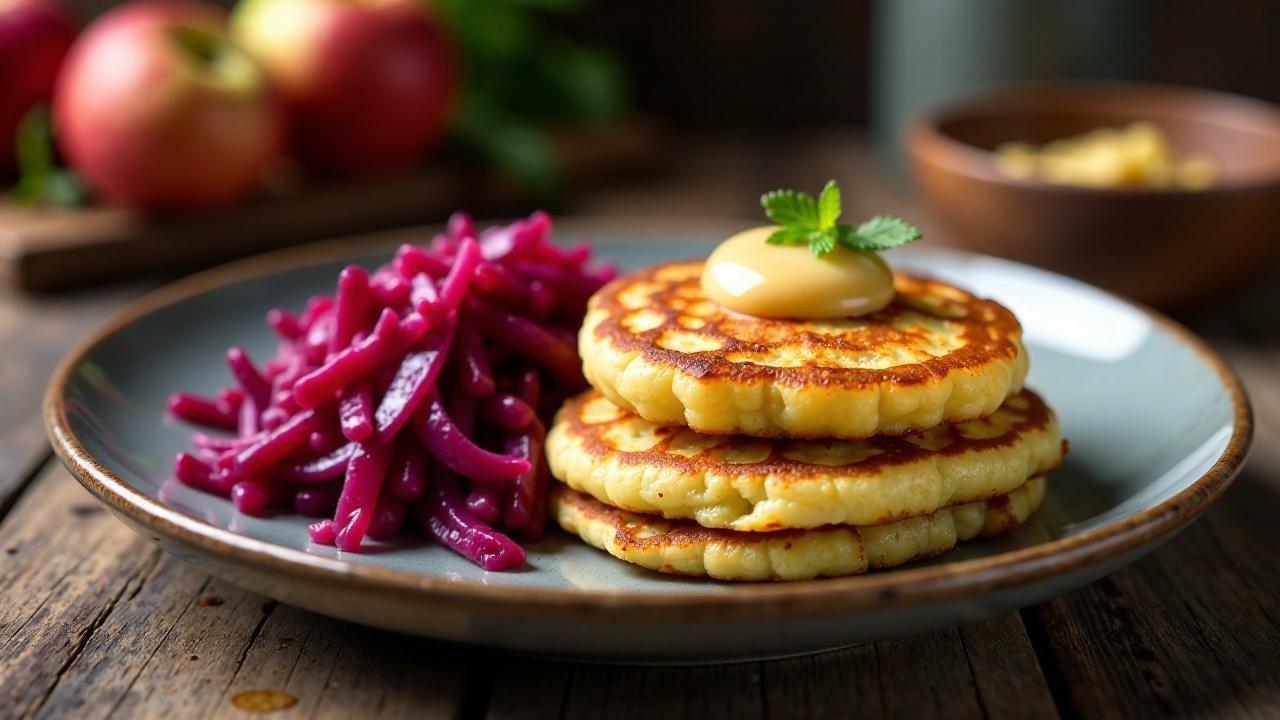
{"x":881,"y":232}
{"x":34,"y":155}
{"x":518,"y":150}
{"x":789,"y":207}
{"x":829,"y":205}
{"x":555,"y":6}
{"x":526,"y":73}
{"x":814,"y":222}
{"x":787,"y":236}
{"x":65,"y":189}
{"x":40,"y":179}
{"x":821,"y":242}
{"x":585,"y":82}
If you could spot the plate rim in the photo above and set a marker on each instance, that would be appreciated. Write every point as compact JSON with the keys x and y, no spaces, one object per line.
{"x":737,"y":602}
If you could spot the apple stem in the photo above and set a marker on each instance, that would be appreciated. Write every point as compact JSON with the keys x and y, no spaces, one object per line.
{"x":213,"y":56}
{"x":202,"y":46}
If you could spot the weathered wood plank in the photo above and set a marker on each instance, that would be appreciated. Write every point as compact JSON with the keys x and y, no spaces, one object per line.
{"x":983,"y":670}
{"x":186,"y":645}
{"x":34,"y":334}
{"x":184,"y":673}
{"x":927,"y":676}
{"x":66,"y":563}
{"x":526,"y":688}
{"x":1005,"y":670}
{"x":103,"y":677}
{"x":729,"y":691}
{"x":340,"y":670}
{"x":96,"y":622}
{"x":840,"y":684}
{"x":1182,"y":632}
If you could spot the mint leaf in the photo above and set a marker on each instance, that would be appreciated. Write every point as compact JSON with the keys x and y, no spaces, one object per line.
{"x":821,"y":242}
{"x":789,"y":207}
{"x":787,"y":236}
{"x":814,"y":222}
{"x":829,"y":205}
{"x":881,"y":232}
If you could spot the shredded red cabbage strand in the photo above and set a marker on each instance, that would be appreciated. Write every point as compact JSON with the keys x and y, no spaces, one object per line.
{"x":412,"y":392}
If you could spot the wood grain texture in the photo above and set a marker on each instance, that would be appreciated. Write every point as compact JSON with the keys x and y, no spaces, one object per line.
{"x":927,"y":676}
{"x":568,"y":690}
{"x":34,"y":334}
{"x":96,"y":622}
{"x":1182,"y":632}
{"x":1005,"y":670}
{"x":66,"y":565}
{"x":840,"y":684}
{"x":932,"y":675}
{"x":340,"y":670}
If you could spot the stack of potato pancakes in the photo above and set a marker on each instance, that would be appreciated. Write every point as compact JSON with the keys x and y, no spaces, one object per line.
{"x":745,"y":448}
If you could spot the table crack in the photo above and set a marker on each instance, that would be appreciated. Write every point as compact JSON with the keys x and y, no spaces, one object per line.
{"x":53,"y":589}
{"x":164,"y":638}
{"x":9,"y":500}
{"x":973,"y":676}
{"x":293,"y":666}
{"x":328,"y":678}
{"x":1054,"y":676}
{"x":764,"y":693}
{"x":268,"y":608}
{"x":87,"y":633}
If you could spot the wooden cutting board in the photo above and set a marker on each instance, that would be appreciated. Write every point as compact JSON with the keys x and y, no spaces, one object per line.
{"x":46,"y":249}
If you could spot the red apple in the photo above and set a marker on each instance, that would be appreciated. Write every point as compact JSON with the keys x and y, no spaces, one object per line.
{"x":369,"y":83}
{"x":160,"y":110}
{"x":34,"y":36}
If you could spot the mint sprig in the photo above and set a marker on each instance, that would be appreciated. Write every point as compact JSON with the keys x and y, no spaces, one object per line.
{"x":804,"y":220}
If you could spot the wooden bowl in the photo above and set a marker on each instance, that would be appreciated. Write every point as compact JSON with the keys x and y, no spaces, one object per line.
{"x":1169,"y":248}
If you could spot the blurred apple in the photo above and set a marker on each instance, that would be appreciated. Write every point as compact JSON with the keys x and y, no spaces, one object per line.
{"x":158,"y":109}
{"x":369,"y":83}
{"x":34,"y":36}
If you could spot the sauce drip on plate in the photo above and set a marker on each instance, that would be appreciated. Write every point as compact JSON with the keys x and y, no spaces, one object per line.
{"x":750,"y":276}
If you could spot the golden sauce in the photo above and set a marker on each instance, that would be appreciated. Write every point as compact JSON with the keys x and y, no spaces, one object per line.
{"x":750,"y":276}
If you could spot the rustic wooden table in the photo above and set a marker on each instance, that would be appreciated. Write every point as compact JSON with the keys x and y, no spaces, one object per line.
{"x":96,"y":621}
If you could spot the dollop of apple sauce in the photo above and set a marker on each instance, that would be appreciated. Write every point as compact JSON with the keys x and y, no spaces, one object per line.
{"x":747,"y":275}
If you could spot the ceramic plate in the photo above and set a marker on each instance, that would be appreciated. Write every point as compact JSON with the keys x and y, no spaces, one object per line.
{"x":1158,"y":429}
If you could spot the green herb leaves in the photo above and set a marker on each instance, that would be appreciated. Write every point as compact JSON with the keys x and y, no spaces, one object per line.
{"x":805,"y":220}
{"x":41,"y":180}
{"x":880,"y":233}
{"x":525,"y":75}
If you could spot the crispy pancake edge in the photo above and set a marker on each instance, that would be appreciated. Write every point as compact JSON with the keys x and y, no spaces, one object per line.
{"x":995,"y":337}
{"x":711,"y":394}
{"x":685,"y":548}
{"x":776,"y":492}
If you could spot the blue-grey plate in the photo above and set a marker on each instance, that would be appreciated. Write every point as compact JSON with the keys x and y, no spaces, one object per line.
{"x":1158,"y":428}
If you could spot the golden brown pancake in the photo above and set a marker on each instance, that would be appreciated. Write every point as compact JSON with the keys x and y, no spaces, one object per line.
{"x":655,"y":345}
{"x":686,"y":548}
{"x":753,"y":484}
